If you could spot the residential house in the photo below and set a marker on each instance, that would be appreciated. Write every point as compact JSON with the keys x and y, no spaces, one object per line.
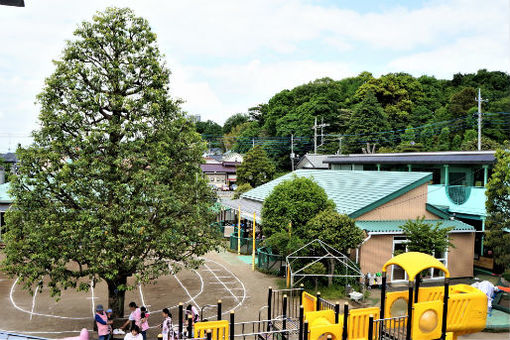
{"x":312,"y":161}
{"x":5,"y":203}
{"x":380,"y":202}
{"x":220,"y":175}
{"x":457,"y":188}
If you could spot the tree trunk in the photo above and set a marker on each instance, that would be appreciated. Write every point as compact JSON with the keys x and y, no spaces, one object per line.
{"x":117,"y":296}
{"x":331,"y":271}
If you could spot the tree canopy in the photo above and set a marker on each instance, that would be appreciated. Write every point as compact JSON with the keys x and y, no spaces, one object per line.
{"x":426,"y":237}
{"x":498,"y":210}
{"x":425,"y":104}
{"x":293,"y":202}
{"x":111,"y":186}
{"x":256,"y":168}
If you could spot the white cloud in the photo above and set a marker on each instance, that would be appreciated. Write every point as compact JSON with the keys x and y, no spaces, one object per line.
{"x":228,"y":55}
{"x":464,"y":55}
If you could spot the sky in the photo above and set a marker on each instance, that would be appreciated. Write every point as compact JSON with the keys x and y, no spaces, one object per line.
{"x":229,"y":55}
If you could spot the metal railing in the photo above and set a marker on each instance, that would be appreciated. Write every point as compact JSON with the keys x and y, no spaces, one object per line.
{"x":278,"y":305}
{"x":390,"y":329}
{"x":246,"y":243}
{"x":269,"y":262}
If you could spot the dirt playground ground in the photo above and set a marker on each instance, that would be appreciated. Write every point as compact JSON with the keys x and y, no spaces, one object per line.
{"x":222,"y":276}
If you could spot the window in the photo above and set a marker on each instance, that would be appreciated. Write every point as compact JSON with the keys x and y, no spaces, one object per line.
{"x":398,"y":274}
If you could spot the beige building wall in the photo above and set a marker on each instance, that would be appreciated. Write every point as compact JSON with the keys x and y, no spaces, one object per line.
{"x":410,"y":205}
{"x":375,"y":252}
{"x":460,"y":258}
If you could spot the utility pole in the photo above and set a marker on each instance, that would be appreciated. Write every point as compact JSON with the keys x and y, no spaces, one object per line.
{"x":340,"y":144}
{"x":292,"y":150}
{"x":315,"y":126}
{"x":322,"y":126}
{"x":315,"y":137}
{"x":480,"y":100}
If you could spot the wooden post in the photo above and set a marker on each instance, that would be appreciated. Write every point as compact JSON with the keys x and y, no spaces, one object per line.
{"x":232,"y":325}
{"x":239,"y":231}
{"x":318,"y":302}
{"x":209,"y":334}
{"x":181,"y":319}
{"x":383,"y":295}
{"x":371,"y":327}
{"x":253,"y":243}
{"x":305,"y":330}
{"x":219,"y":310}
{"x":269,"y":303}
{"x":346,"y":318}
{"x":445,"y":307}
{"x":190,"y":326}
{"x":301,"y":321}
{"x":410,"y":311}
{"x":337,"y":312}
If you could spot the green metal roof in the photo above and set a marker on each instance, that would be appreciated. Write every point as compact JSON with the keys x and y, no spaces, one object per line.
{"x":354,"y":192}
{"x":393,"y":226}
{"x":4,"y":196}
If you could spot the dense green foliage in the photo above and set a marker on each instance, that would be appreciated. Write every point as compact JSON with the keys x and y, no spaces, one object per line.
{"x":293,"y":202}
{"x":233,"y":121}
{"x":337,"y":230}
{"x":498,"y":210}
{"x":241,"y":189}
{"x":111,"y":186}
{"x":256,"y":168}
{"x":424,"y":104}
{"x":210,"y":131}
{"x":425,"y":237}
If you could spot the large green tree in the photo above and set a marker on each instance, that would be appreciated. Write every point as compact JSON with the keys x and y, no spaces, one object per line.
{"x":337,"y":230}
{"x":368,"y":120}
{"x":256,"y":168}
{"x":294,"y":201}
{"x":233,"y":121}
{"x":426,"y":237}
{"x":111,"y":187}
{"x":498,"y":210}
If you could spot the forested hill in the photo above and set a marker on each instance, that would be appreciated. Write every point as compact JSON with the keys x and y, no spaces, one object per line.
{"x":396,"y":111}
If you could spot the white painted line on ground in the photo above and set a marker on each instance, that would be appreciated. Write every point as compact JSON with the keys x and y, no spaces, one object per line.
{"x":43,"y":332}
{"x":224,"y":285}
{"x":33,"y":302}
{"x":240,"y":282}
{"x":141,"y":295}
{"x":13,"y":288}
{"x":92,"y":298}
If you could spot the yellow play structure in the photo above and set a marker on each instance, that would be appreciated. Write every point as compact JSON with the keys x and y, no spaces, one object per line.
{"x":443,"y":312}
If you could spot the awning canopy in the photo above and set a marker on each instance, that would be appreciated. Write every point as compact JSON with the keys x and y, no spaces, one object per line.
{"x":248,"y":208}
{"x":414,"y":263}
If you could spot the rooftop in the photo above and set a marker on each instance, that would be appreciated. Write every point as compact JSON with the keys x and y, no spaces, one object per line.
{"x":313,"y":162}
{"x":354,"y":192}
{"x":393,"y":226}
{"x":9,"y":157}
{"x":219,"y":168}
{"x":446,"y":157}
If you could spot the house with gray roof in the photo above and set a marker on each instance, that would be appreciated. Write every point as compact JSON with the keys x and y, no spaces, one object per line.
{"x":380,"y":202}
{"x":313,"y":161}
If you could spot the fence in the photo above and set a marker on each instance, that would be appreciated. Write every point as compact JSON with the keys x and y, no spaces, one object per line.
{"x":284,"y":302}
{"x":246,"y":244}
{"x":219,"y":227}
{"x":269,"y":262}
{"x":390,"y":328}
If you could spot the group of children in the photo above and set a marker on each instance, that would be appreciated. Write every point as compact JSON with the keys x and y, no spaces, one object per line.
{"x":138,"y":323}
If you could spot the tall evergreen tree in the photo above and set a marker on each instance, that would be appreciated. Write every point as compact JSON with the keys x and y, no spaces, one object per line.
{"x":256,"y":168}
{"x":111,"y":186}
{"x":498,"y":207}
{"x":367,"y":122}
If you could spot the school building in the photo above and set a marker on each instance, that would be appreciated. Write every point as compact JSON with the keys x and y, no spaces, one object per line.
{"x":380,"y":202}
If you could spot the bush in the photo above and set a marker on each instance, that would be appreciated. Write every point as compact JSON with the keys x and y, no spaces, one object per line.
{"x":241,"y":189}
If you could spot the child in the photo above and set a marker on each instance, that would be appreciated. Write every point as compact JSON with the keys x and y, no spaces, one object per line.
{"x":144,"y":324}
{"x":109,"y":315}
{"x":192,"y":310}
{"x":134,"y":334}
{"x":167,"y":328}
